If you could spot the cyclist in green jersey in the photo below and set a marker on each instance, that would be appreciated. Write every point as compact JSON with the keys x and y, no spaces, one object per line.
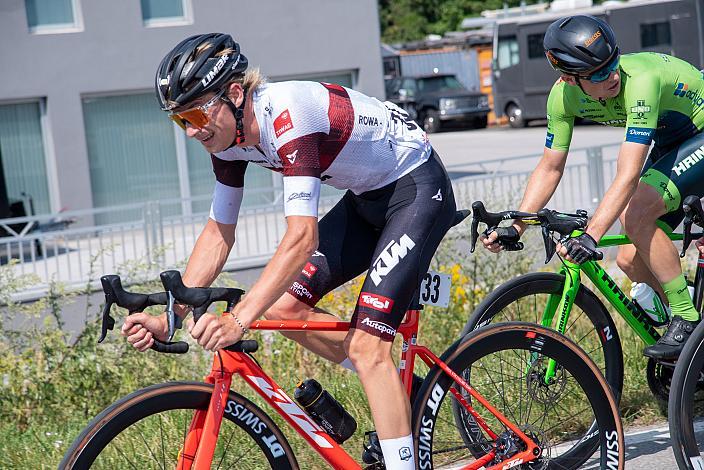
{"x":658,"y":99}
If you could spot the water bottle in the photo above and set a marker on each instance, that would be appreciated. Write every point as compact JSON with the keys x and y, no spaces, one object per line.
{"x":650,"y":302}
{"x":325,"y":410}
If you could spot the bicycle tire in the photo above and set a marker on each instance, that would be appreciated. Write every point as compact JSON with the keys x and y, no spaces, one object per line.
{"x":522,"y":340}
{"x":159,"y":399}
{"x":686,"y":380}
{"x":552,"y":283}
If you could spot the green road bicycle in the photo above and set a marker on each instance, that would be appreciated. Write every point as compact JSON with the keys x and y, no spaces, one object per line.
{"x":560,"y":300}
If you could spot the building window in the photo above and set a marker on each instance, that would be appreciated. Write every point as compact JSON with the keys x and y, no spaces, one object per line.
{"x":131,"y":154}
{"x":507,"y":52}
{"x":535,"y":46}
{"x":22,"y":156}
{"x":260,"y":183}
{"x":655,"y":34}
{"x":166,"y":12}
{"x":53,"y":16}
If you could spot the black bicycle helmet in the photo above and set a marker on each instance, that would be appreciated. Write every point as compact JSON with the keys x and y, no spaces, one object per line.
{"x":197,"y":65}
{"x":579,"y":45}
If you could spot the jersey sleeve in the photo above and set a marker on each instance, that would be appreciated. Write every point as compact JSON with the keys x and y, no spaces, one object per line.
{"x":560,"y":120}
{"x":642,"y":101}
{"x":299,"y":129}
{"x":229,"y":189}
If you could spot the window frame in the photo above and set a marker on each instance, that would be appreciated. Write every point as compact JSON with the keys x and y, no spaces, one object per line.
{"x":653,"y":27}
{"x":163,"y":22}
{"x":59,"y":28}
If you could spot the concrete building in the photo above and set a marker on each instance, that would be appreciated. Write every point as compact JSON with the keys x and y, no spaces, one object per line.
{"x":79,"y":124}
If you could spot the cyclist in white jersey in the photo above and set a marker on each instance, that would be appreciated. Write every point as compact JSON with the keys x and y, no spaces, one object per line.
{"x":398,"y":206}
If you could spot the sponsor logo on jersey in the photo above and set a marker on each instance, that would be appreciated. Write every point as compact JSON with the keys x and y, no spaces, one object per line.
{"x":291,"y":157}
{"x":438,"y":196}
{"x":375,"y":301}
{"x":390,"y":257}
{"x":302,"y":196}
{"x":214,"y":71}
{"x":377,"y":325}
{"x":689,"y":161}
{"x":640,"y":108}
{"x":309,"y":269}
{"x":549,"y":138}
{"x":368,"y":120}
{"x":283,"y":123}
{"x":317,"y":253}
{"x":614,"y":122}
{"x":301,"y":290}
{"x":593,"y":38}
{"x":683,"y":91}
{"x":639,"y":135}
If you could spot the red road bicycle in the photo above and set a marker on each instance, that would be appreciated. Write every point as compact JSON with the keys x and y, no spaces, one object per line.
{"x":203,"y":425}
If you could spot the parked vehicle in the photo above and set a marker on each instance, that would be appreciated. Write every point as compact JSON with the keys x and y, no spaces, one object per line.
{"x":438,"y":100}
{"x":522,"y":77}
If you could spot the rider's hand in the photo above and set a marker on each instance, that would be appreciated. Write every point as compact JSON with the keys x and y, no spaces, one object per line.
{"x":141,"y":329}
{"x":214,"y":332}
{"x":578,"y":249}
{"x":505,"y":234}
{"x":700,"y":245}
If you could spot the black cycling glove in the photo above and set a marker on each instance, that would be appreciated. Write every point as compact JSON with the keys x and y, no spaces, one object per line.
{"x":581,"y":248}
{"x":507,"y":237}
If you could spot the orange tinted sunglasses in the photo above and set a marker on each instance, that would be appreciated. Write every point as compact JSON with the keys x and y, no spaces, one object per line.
{"x":196,"y":116}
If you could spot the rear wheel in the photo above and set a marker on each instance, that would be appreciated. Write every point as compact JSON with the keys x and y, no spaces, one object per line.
{"x":507,"y":363}
{"x":147,"y":430}
{"x":515,"y":116}
{"x":431,"y":121}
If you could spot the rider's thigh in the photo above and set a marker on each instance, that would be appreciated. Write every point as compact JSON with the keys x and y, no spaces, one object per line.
{"x":287,"y":307}
{"x":646,"y":205}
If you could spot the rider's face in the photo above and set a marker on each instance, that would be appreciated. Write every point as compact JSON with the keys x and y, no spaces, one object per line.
{"x":609,"y":88}
{"x":217,"y":133}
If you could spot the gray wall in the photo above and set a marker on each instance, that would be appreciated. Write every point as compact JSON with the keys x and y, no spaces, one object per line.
{"x":116,"y":53}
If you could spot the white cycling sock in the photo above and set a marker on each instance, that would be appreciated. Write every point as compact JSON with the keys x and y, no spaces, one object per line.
{"x":347,"y":364}
{"x":398,"y":453}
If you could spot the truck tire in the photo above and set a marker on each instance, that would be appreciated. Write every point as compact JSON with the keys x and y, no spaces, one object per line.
{"x":515,"y":116}
{"x":431,"y":121}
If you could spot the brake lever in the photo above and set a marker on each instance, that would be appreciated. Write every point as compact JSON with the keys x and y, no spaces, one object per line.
{"x":550,"y":245}
{"x":108,"y":322}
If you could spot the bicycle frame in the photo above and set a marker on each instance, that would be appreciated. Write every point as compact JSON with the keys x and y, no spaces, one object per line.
{"x":200,"y":442}
{"x":634,"y":316}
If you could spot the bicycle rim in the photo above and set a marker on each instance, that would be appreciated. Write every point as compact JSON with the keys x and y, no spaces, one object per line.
{"x":506,"y":371}
{"x":147,"y":429}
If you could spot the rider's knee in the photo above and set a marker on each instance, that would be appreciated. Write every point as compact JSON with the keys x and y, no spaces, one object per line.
{"x":366,"y":352}
{"x":625,"y":260}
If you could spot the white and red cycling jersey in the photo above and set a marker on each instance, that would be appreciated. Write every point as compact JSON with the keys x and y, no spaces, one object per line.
{"x":319,"y":132}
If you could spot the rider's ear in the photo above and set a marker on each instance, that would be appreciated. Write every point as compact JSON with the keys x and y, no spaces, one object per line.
{"x":569,"y":79}
{"x":236,"y":93}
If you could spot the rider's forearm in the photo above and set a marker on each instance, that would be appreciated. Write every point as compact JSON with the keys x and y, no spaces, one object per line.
{"x":631,"y":157}
{"x":542,"y":183}
{"x":297,"y":246}
{"x":209,"y":256}
{"x":611,"y":206}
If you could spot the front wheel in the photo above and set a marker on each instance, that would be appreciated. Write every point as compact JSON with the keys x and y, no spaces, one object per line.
{"x":147,"y":429}
{"x":686,"y":404}
{"x":508,"y":369}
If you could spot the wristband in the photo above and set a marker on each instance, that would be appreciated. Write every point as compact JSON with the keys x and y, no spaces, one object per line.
{"x":239,"y":323}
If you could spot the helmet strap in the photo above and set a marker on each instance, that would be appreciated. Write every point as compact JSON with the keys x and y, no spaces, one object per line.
{"x":238,"y":113}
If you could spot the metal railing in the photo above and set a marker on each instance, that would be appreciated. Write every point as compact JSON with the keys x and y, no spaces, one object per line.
{"x":159,"y":235}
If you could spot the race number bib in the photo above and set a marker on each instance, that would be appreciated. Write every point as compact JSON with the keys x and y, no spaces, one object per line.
{"x":435,"y":289}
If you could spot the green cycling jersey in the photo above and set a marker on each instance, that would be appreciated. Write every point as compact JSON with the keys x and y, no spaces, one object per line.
{"x":661,"y":100}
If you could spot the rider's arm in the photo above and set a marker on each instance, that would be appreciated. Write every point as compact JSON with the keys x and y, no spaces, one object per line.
{"x":542,"y":182}
{"x":298,"y":244}
{"x":631,"y":157}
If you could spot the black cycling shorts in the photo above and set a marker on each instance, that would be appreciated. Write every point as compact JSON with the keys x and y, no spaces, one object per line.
{"x":392,"y":233}
{"x":676,"y":174}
